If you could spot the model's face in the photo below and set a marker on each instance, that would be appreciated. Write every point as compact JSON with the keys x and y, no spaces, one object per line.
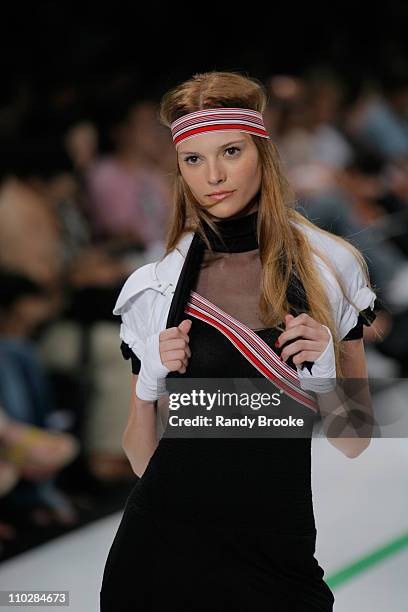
{"x":221,"y":161}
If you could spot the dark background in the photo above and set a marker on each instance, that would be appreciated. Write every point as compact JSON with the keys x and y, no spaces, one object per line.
{"x":79,"y":57}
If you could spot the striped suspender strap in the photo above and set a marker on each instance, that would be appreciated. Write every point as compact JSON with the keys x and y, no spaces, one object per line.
{"x":252,"y":347}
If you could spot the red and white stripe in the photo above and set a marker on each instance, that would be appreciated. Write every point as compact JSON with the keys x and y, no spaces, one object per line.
{"x":258,"y":352}
{"x":219,"y":119}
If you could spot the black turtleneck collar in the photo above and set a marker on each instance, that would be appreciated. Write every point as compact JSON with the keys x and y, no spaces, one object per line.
{"x":238,"y":233}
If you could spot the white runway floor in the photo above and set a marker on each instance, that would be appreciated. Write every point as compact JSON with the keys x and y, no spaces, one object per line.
{"x":360,"y":506}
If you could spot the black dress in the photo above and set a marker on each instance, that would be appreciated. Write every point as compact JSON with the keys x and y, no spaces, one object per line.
{"x":220,"y":523}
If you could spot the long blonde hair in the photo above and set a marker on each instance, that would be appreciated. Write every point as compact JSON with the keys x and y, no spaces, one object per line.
{"x":283,"y":248}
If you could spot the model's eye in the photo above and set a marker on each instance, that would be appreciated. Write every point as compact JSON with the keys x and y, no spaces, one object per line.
{"x":232,"y":149}
{"x":191,"y":157}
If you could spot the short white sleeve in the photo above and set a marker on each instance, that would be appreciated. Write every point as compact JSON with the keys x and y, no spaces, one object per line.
{"x":355,"y":284}
{"x":129,"y":305}
{"x":349,"y":269}
{"x":132,"y":328}
{"x":357,"y":289}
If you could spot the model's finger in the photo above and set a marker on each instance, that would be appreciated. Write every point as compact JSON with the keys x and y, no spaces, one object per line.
{"x":301,"y":330}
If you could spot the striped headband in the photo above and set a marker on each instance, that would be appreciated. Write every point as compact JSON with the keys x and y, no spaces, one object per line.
{"x":220,"y":119}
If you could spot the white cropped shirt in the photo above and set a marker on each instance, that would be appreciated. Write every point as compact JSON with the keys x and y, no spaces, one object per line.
{"x":145,"y":298}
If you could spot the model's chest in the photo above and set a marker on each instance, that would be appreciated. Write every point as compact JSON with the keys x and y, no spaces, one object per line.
{"x":223,"y":346}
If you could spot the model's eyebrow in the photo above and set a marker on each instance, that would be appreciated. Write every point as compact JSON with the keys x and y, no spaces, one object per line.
{"x":227,"y":144}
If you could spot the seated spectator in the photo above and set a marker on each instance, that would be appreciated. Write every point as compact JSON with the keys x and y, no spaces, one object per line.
{"x":26,"y":398}
{"x":379,"y":120}
{"x":128,"y":195}
{"x":304,"y":119}
{"x":30,"y":239}
{"x":33,"y":454}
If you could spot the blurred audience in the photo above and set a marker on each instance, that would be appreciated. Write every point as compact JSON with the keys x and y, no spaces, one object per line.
{"x":27,"y":405}
{"x":128,"y":196}
{"x":379,"y":118}
{"x":30,"y":239}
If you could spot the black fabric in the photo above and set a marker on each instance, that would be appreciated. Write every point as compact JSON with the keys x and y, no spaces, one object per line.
{"x":365,"y":317}
{"x":238,"y":234}
{"x":220,"y":524}
{"x":129,"y":354}
{"x":185,"y":282}
{"x":355,"y":333}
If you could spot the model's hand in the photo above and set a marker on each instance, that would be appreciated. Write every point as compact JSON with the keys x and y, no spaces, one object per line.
{"x":314,"y":338}
{"x":165,"y":351}
{"x":174,"y":349}
{"x":316,"y":345}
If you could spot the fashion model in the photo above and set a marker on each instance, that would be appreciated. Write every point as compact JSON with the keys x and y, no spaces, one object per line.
{"x":248,"y":288}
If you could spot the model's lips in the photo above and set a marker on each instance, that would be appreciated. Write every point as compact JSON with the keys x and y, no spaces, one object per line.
{"x":221,"y":195}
